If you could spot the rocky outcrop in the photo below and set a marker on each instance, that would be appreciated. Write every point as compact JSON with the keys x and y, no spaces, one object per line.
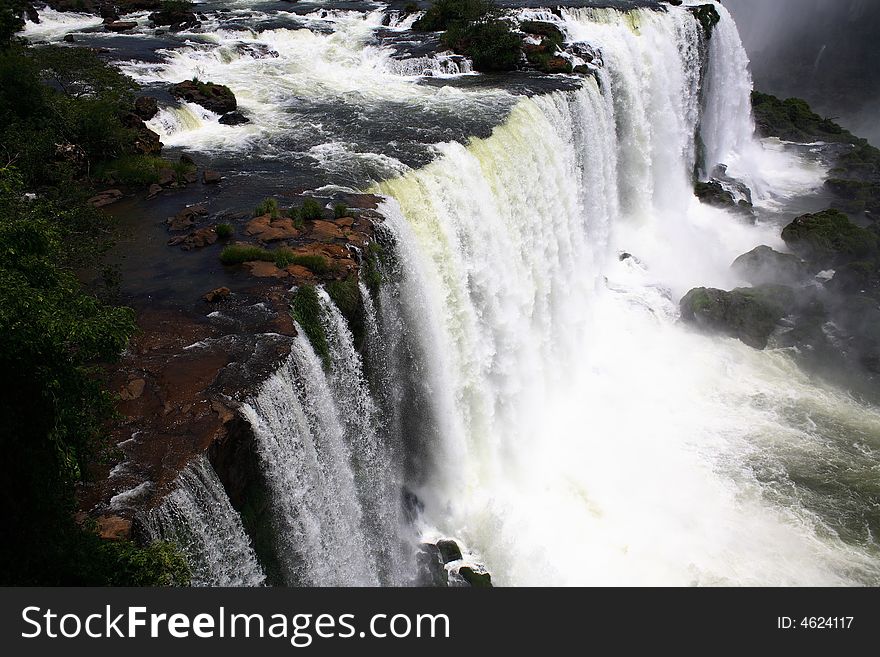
{"x":233,"y":118}
{"x":217,"y":98}
{"x":707,"y":16}
{"x":120,"y":26}
{"x":146,"y":107}
{"x":748,"y":314}
{"x":175,"y":16}
{"x":764,"y":266}
{"x":829,"y":239}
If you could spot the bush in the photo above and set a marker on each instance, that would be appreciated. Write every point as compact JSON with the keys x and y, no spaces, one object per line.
{"x":237,"y":254}
{"x":224,"y":231}
{"x":492,"y":45}
{"x":268,"y":206}
{"x":410,"y":8}
{"x":346,"y":295}
{"x":443,"y":14}
{"x":340,"y":210}
{"x":311,"y":210}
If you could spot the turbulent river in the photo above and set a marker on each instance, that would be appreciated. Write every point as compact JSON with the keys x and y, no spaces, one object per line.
{"x":525,"y":375}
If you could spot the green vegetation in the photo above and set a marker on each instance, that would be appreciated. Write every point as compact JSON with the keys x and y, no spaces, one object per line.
{"x":224,"y":231}
{"x":307,"y":311}
{"x":793,"y":120}
{"x":237,"y":254}
{"x":371,"y":269}
{"x":829,"y":238}
{"x":268,"y":206}
{"x":340,"y":210}
{"x":444,"y":14}
{"x":131,"y":170}
{"x":707,"y":16}
{"x":492,"y":45}
{"x":347,"y":297}
{"x":311,"y":210}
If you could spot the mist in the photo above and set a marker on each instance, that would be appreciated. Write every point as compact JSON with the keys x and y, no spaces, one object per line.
{"x":825,"y":51}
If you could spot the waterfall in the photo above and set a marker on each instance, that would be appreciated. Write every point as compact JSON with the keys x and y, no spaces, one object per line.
{"x":331,"y":470}
{"x":199,"y":519}
{"x":578,"y":433}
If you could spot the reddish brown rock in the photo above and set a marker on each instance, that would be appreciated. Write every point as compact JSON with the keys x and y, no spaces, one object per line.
{"x":211,"y":177}
{"x":154,"y":190}
{"x":262,"y":269}
{"x":187,"y":217}
{"x":267,"y":229}
{"x":325,"y":231}
{"x":132,"y":390}
{"x":166,"y":177}
{"x":120,"y":26}
{"x":196,"y":239}
{"x":105,"y":198}
{"x":217,"y":295}
{"x":114,"y":528}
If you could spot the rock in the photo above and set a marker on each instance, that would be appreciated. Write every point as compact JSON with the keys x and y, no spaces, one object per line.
{"x":175,"y":18}
{"x":211,"y":177}
{"x":828,"y":239}
{"x":114,"y":528}
{"x":267,"y":229}
{"x":105,"y":198}
{"x":187,"y":217}
{"x":474,"y":578}
{"x":748,"y":314}
{"x":71,"y":154}
{"x":542,"y":28}
{"x":120,"y":26}
{"x":132,"y":390}
{"x":31,"y":13}
{"x":109,"y":14}
{"x":68,"y":38}
{"x":713,"y":193}
{"x":325,"y":231}
{"x":217,"y":295}
{"x":762,"y":265}
{"x":196,"y":239}
{"x":147,"y":141}
{"x":233,"y":118}
{"x":449,"y":550}
{"x":707,"y":16}
{"x":166,"y":177}
{"x":146,"y":107}
{"x":262,"y":269}
{"x":214,"y":97}
{"x":154,"y":190}
{"x":431,"y":570}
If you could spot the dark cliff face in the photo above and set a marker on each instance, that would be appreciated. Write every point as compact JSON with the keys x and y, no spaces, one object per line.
{"x":820,"y":50}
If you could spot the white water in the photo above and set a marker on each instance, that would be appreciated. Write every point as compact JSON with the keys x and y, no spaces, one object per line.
{"x":585,"y":436}
{"x":199,"y":519}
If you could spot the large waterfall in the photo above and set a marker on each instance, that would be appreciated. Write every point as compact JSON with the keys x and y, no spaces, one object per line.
{"x":525,"y":385}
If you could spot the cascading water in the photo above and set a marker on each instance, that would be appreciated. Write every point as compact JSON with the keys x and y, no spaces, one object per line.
{"x":585,"y":436}
{"x":331,"y":473}
{"x":524,"y":372}
{"x":198,"y":517}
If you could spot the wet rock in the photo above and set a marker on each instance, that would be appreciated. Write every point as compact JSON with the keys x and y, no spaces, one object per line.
{"x":120,"y":26}
{"x":449,"y":550}
{"x":828,"y":239}
{"x":68,"y":38}
{"x":176,"y":18}
{"x":196,"y":239}
{"x":211,"y":177}
{"x":267,"y":229}
{"x":216,"y":295}
{"x":431,"y":569}
{"x":187,"y":217}
{"x":707,"y":16}
{"x":166,"y":177}
{"x":217,"y":98}
{"x":233,"y":118}
{"x":762,"y":265}
{"x":475,"y":578}
{"x":105,"y":198}
{"x":748,"y":314}
{"x":114,"y":528}
{"x":147,"y":142}
{"x":132,"y":390}
{"x":154,"y":190}
{"x":146,"y":107}
{"x":262,"y":269}
{"x":325,"y":231}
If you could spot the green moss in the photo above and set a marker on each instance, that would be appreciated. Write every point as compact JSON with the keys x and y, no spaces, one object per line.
{"x":237,"y":254}
{"x":371,"y":269}
{"x":307,"y":311}
{"x":347,"y":297}
{"x":268,"y":206}
{"x":443,"y":14}
{"x":158,"y":564}
{"x":340,"y":210}
{"x":224,"y":231}
{"x":829,"y":238}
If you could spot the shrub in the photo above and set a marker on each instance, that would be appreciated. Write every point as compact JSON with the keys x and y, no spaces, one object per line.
{"x":224,"y":231}
{"x":311,"y":210}
{"x":268,"y":206}
{"x":181,"y":169}
{"x":237,"y":254}
{"x":307,"y":311}
{"x":131,"y":170}
{"x":443,"y":14}
{"x":346,"y":295}
{"x":492,"y":45}
{"x":340,"y":210}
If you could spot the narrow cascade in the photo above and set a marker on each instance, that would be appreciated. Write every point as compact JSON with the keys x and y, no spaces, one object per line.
{"x":198,"y":517}
{"x":577,"y":432}
{"x":334,"y":487}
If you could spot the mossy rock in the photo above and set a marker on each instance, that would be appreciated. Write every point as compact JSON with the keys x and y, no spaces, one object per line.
{"x":707,"y":16}
{"x":217,"y":98}
{"x":543,"y":29}
{"x":829,"y":238}
{"x":763,"y":265}
{"x":749,"y":314}
{"x":307,"y":311}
